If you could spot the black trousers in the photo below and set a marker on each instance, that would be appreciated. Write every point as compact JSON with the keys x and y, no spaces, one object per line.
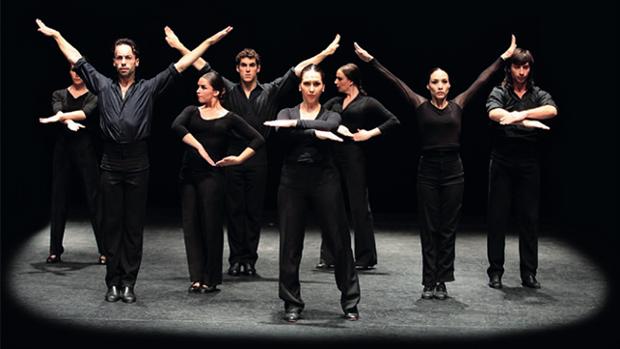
{"x":316,"y":186}
{"x":245,"y":195}
{"x":124,"y":209}
{"x":73,"y":154}
{"x":513,"y":183}
{"x":202,"y":199}
{"x":440,"y":195}
{"x":351,"y":164}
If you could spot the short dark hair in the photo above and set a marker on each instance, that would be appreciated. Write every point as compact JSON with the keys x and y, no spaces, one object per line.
{"x":247,"y":53}
{"x":128,"y":42}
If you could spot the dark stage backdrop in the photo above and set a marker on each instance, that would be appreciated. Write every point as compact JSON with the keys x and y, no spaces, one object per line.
{"x":574,"y":47}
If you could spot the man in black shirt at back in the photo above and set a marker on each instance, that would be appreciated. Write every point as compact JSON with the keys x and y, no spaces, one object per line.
{"x":516,"y":107}
{"x":126,"y":109}
{"x":245,"y":184}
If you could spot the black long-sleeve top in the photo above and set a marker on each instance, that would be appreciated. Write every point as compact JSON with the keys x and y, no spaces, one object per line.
{"x":302,"y":146}
{"x":213,"y":134}
{"x":125,"y":120}
{"x":261,"y":106}
{"x":64,"y":101}
{"x":440,"y":129}
{"x":516,"y":140}
{"x":361,"y":113}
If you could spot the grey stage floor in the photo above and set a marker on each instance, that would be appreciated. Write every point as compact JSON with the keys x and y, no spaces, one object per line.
{"x":72,"y":293}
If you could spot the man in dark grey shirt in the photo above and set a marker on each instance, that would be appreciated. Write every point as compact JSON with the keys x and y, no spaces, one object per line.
{"x":126,"y":108}
{"x":245,"y":186}
{"x":516,"y":108}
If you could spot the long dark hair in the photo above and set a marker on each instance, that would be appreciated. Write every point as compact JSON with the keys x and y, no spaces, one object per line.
{"x":215,"y":80}
{"x":519,"y":57}
{"x":353,"y":73}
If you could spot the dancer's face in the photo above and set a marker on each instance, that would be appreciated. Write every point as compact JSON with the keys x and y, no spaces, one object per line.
{"x":205,"y":91}
{"x":125,"y":61}
{"x":342,"y":82}
{"x":439,"y":84}
{"x":520,"y":72}
{"x":311,"y":86}
{"x":248,"y":69}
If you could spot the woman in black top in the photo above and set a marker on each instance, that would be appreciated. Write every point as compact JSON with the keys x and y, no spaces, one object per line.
{"x":359,"y":113}
{"x":207,"y":131}
{"x":440,"y":171}
{"x":74,"y":147}
{"x":309,"y":176}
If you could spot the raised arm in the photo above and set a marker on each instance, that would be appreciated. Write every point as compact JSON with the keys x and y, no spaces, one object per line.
{"x":70,"y":52}
{"x":412,"y":97}
{"x":328,"y":51}
{"x":173,"y":40}
{"x":190,"y":57}
{"x":464,"y":97}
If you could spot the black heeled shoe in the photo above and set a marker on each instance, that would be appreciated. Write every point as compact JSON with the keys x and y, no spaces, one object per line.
{"x":103,"y":260}
{"x":53,"y":258}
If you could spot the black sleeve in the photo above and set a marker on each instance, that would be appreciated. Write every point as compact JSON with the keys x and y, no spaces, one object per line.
{"x":376,"y":108}
{"x":464,"y":97}
{"x":331,"y":123}
{"x":58,"y":100}
{"x":284,"y":84}
{"x":329,"y":105}
{"x":496,"y":99}
{"x":412,"y":97}
{"x":163,"y":80}
{"x":241,"y":127}
{"x":544,"y":98}
{"x":181,"y":122}
{"x":94,"y":80}
{"x":287,"y":132}
{"x":90,"y":104}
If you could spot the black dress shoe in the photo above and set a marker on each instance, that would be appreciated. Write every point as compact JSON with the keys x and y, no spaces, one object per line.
{"x":530,"y":281}
{"x":235,"y":269}
{"x":209,"y":289}
{"x":440,"y":291}
{"x":352,"y":314}
{"x":53,"y":258}
{"x":248,"y":269}
{"x":364,"y":267}
{"x":427,"y":291}
{"x":292,"y":315}
{"x":113,"y":294}
{"x":495,"y":281}
{"x":127,"y":294}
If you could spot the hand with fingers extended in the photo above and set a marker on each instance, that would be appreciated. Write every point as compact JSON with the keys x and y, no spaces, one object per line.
{"x":361,"y":53}
{"x":74,"y":126}
{"x":513,"y":117}
{"x":230,"y":160}
{"x":326,"y":135}
{"x":511,"y":48}
{"x":343,"y":130}
{"x":281,"y":123}
{"x":45,"y":30}
{"x":535,"y":124}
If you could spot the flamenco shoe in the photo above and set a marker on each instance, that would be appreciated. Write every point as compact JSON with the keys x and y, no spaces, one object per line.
{"x":53,"y":258}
